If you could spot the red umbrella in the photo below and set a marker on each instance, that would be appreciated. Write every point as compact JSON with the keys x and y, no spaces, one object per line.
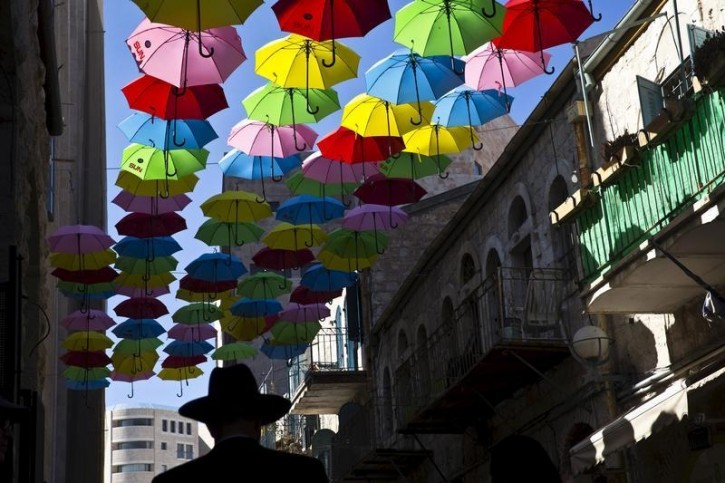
{"x":303,"y":295}
{"x":140,"y":292}
{"x":164,"y":100}
{"x":379,"y":190}
{"x":204,"y":286}
{"x":142,"y":225}
{"x":534,"y":25}
{"x":278,"y":259}
{"x":102,"y":275}
{"x":141,"y":308}
{"x":331,"y":19}
{"x":175,"y":362}
{"x":86,"y":358}
{"x":346,"y":145}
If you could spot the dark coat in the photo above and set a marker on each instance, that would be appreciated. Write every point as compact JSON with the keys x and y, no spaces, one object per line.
{"x":244,"y":460}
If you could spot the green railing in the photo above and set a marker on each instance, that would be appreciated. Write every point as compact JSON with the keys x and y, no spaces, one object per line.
{"x":669,"y":178}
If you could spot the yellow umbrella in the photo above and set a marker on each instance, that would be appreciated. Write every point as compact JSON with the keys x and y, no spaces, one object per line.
{"x":286,"y":236}
{"x":134,"y":363}
{"x":136,"y":280}
{"x":236,"y":207}
{"x":434,"y":140}
{"x":234,"y":352}
{"x":332,"y":261}
{"x":172,"y":187}
{"x":244,"y":328}
{"x":189,"y":296}
{"x":87,"y":341}
{"x":370,"y":116}
{"x":298,"y":62}
{"x":180,"y":374}
{"x":84,"y":261}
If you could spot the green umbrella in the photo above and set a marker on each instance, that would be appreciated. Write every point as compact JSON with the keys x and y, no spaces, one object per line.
{"x":219,"y":233}
{"x":414,"y":166}
{"x":197,"y":313}
{"x":136,"y":346}
{"x":86,"y":374}
{"x":287,"y":106}
{"x":149,"y":163}
{"x":356,"y":244}
{"x":447,"y":27}
{"x":300,"y":185}
{"x":141,"y":266}
{"x":295,"y":332}
{"x":234,"y":352}
{"x":264,"y":285}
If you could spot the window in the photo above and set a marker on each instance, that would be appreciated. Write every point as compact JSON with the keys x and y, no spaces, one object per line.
{"x":173,"y":426}
{"x":123,"y":423}
{"x":180,"y":451}
{"x":188,"y":428}
{"x":164,"y":425}
{"x":181,"y":427}
{"x":164,"y":445}
{"x":517,"y":215}
{"x":189,"y":452}
{"x":133,"y":468}
{"x":133,"y":445}
{"x":468,"y":268}
{"x":164,"y":468}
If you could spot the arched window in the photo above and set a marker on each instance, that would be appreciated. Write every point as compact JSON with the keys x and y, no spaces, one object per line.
{"x":561,"y":235}
{"x":468,"y":268}
{"x":521,"y":256}
{"x":493,"y":262}
{"x":517,"y":215}
{"x":402,"y":344}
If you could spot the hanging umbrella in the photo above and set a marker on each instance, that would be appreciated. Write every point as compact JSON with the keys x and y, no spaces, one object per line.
{"x":295,"y":333}
{"x":415,"y":166}
{"x":141,"y":308}
{"x":86,"y":291}
{"x":319,"y":278}
{"x":164,"y":189}
{"x":216,"y":267}
{"x":175,"y":362}
{"x":244,"y":328}
{"x":283,"y":106}
{"x":246,"y":307}
{"x":87,"y":385}
{"x":298,"y":313}
{"x":135,"y":356}
{"x":303,"y":295}
{"x":240,"y":165}
{"x":286,"y":236}
{"x":271,"y":259}
{"x":334,"y":19}
{"x":101,"y":275}
{"x":138,"y":329}
{"x":87,"y":341}
{"x":197,"y":313}
{"x":131,"y":378}
{"x":150,"y":205}
{"x":147,"y":248}
{"x":371,"y":116}
{"x":277,"y":350}
{"x":141,"y":225}
{"x":234,"y":352}
{"x":491,"y":67}
{"x":464,"y":106}
{"x":141,"y":266}
{"x":83,"y":261}
{"x":345,"y":263}
{"x":236,"y":207}
{"x":219,"y":233}
{"x":263,"y":139}
{"x":206,"y":297}
{"x":435,"y":140}
{"x":145,"y":129}
{"x":406,"y":77}
{"x":79,"y":239}
{"x":264,"y":285}
{"x":180,"y":374}
{"x":306,"y":209}
{"x":347,"y":146}
{"x":349,"y":244}
{"x":205,"y":286}
{"x":86,"y":373}
{"x":187,"y":333}
{"x":188,"y":348}
{"x":198,"y":14}
{"x":534,"y":25}
{"x":86,"y":358}
{"x":367,"y":218}
{"x":163,"y":51}
{"x":299,"y":184}
{"x":149,"y":163}
{"x":328,"y":171}
{"x":379,"y":190}
{"x":91,"y":320}
{"x":143,"y":281}
{"x":138,"y":292}
{"x":161,"y":99}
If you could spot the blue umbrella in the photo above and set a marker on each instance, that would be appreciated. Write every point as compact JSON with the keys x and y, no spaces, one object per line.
{"x":241,"y":165}
{"x":464,"y":106}
{"x":145,"y":129}
{"x":320,"y":279}
{"x":188,"y":348}
{"x":285,"y":352}
{"x":90,"y":384}
{"x":147,"y":248}
{"x":302,"y":209}
{"x":138,"y":329}
{"x":246,"y":307}
{"x":216,"y":267}
{"x":405,"y":77}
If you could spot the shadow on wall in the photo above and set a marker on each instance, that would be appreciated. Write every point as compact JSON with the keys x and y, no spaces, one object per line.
{"x":691,"y":330}
{"x":518,"y":459}
{"x":635,"y":346}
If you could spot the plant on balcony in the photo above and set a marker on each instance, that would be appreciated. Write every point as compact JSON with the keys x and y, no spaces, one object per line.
{"x":620,"y":152}
{"x":709,"y":60}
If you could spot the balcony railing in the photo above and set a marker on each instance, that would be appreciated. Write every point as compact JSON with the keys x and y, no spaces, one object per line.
{"x":670,"y":177}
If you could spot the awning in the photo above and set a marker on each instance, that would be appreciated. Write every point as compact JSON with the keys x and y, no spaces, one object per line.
{"x":639,"y":423}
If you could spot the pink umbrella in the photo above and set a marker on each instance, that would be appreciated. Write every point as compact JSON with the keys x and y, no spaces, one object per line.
{"x":263,"y":139}
{"x":91,"y":320}
{"x":150,"y":205}
{"x":374,"y":218}
{"x":140,"y":292}
{"x":325,"y":170}
{"x":79,"y":239}
{"x":192,"y":332}
{"x":139,"y":376}
{"x":164,"y":52}
{"x":295,"y":312}
{"x":491,"y":67}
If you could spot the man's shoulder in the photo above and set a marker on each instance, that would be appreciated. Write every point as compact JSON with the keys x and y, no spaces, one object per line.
{"x":179,"y":473}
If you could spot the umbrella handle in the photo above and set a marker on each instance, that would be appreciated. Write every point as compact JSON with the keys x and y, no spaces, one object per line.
{"x":470,"y":124}
{"x":166,"y":166}
{"x":130,"y":396}
{"x":591,"y":10}
{"x":310,"y":110}
{"x":176,"y":142}
{"x":201,"y":50}
{"x":166,"y":194}
{"x":264,"y":194}
{"x":181,"y":389}
{"x":417,"y":97}
{"x":294,"y":136}
{"x":393,"y":224}
{"x":445,"y":175}
{"x":493,"y":11}
{"x":334,"y":56}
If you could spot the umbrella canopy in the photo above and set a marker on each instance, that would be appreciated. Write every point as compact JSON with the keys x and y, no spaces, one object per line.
{"x":349,"y":263}
{"x":216,"y":267}
{"x":263,"y":139}
{"x":164,"y":189}
{"x":188,"y":348}
{"x":149,"y":163}
{"x":219,"y":233}
{"x":186,"y":332}
{"x":328,"y":171}
{"x":205,"y":286}
{"x":141,"y":266}
{"x":295,"y":333}
{"x":86,"y":373}
{"x":246,"y":307}
{"x":299,"y":184}
{"x":198,"y":14}
{"x":264,"y":285}
{"x":491,"y":67}
{"x":286,"y":236}
{"x":197,"y":313}
{"x":87,"y":341}
{"x":86,"y":358}
{"x":138,"y":329}
{"x":415,"y":166}
{"x":162,"y":51}
{"x":303,"y":295}
{"x":180,"y":374}
{"x":127,"y":361}
{"x":138,"y":292}
{"x":434,"y":140}
{"x":283,"y":106}
{"x":145,"y":129}
{"x":87,"y":291}
{"x":319,"y":278}
{"x":277,"y":350}
{"x":368,"y":218}
{"x":143,"y":281}
{"x":161,"y":99}
{"x":150,"y":205}
{"x":371,"y":116}
{"x":90,"y":320}
{"x":244,"y":328}
{"x":298,"y":313}
{"x":82,"y":261}
{"x":147,"y":248}
{"x":272,"y":259}
{"x":236,"y":207}
{"x":347,"y":146}
{"x":87,"y":385}
{"x":193,"y":297}
{"x":234,"y":352}
{"x":79,"y":239}
{"x":347,"y":243}
{"x":174,"y":362}
{"x":141,"y":308}
{"x":241,"y":165}
{"x":379,"y":190}
{"x":101,"y":275}
{"x":447,"y":27}
{"x":306,"y":209}
{"x":464,"y":106}
{"x":142,"y":225}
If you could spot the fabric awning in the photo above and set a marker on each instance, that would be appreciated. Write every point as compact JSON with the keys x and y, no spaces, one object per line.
{"x":637,"y":424}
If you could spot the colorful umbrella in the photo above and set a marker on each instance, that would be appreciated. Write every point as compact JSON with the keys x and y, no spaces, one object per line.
{"x":86,"y":358}
{"x":91,"y":320}
{"x":240,"y":165}
{"x":347,"y":243}
{"x":491,"y":67}
{"x":145,"y":129}
{"x":282,"y":259}
{"x":464,"y":106}
{"x":415,"y":166}
{"x":219,"y":233}
{"x":86,"y":373}
{"x":139,"y":292}
{"x":264,"y":285}
{"x":286,"y":236}
{"x":299,"y":184}
{"x":164,"y":189}
{"x":197,"y":313}
{"x":151,"y":205}
{"x":83,"y":261}
{"x":87,"y":291}
{"x":236,"y":207}
{"x":234,"y":352}
{"x":246,"y":307}
{"x":325,"y":170}
{"x":100,"y":275}
{"x":162,"y":51}
{"x":371,"y":116}
{"x":295,"y":333}
{"x":216,"y":267}
{"x":379,"y":190}
{"x":175,"y":362}
{"x":135,"y":356}
{"x":349,"y":264}
{"x":303,"y":295}
{"x":198,"y":14}
{"x":347,"y":146}
{"x":147,"y":248}
{"x":79,"y":239}
{"x":244,"y":328}
{"x":283,"y":106}
{"x":141,"y":308}
{"x":180,"y":374}
{"x":144,"y":281}
{"x":206,"y":297}
{"x":131,"y":378}
{"x":87,"y":385}
{"x":406,"y":77}
{"x":149,"y":163}
{"x":196,"y":332}
{"x":306,"y":209}
{"x":161,"y":99}
{"x":374,"y":217}
{"x":276,"y":350}
{"x":188,"y":348}
{"x":205,"y":286}
{"x":138,"y":329}
{"x":87,"y":341}
{"x":321,"y":279}
{"x":298,"y":313}
{"x":434,"y":140}
{"x":142,"y":225}
{"x":264,"y":139}
{"x":141,"y":266}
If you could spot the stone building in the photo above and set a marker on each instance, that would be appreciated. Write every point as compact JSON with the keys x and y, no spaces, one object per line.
{"x":52,"y":135}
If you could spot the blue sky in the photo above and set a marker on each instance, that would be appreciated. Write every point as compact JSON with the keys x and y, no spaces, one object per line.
{"x":122,"y":16}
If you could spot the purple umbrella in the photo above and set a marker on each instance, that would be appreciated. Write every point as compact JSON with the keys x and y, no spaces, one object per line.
{"x":91,"y":320}
{"x":263,"y":139}
{"x":140,"y":292}
{"x":192,"y":332}
{"x":295,"y":312}
{"x":79,"y":239}
{"x":150,"y":205}
{"x":325,"y":170}
{"x":374,"y":217}
{"x":138,"y":376}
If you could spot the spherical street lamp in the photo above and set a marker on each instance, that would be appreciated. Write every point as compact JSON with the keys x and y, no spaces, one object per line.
{"x":590,"y":345}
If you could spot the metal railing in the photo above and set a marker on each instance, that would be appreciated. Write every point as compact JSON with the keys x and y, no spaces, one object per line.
{"x":514,"y":305}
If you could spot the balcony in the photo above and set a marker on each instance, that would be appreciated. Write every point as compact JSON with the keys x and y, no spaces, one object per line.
{"x":328,"y":375}
{"x":675,"y":195}
{"x":507,"y":329}
{"x":360,"y":453}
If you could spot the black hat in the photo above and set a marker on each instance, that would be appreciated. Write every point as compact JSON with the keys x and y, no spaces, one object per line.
{"x":11,"y":411}
{"x":233,"y":394}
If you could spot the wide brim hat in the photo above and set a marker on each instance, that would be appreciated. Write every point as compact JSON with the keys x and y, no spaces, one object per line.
{"x":233,"y":393}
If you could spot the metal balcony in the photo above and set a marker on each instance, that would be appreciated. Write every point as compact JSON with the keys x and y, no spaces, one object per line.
{"x":507,"y":331}
{"x":328,"y":375}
